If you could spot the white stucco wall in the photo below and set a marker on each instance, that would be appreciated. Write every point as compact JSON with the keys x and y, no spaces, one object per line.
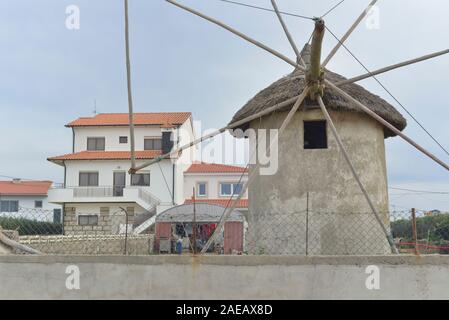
{"x":112,"y":135}
{"x":106,"y":169}
{"x":27,"y":207}
{"x":213,"y":181}
{"x":166,"y":177}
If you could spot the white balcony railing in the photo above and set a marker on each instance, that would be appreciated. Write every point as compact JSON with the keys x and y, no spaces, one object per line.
{"x":95,"y":192}
{"x":105,"y":194}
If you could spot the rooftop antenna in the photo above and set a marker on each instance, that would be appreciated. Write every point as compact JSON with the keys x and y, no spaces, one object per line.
{"x":95,"y":107}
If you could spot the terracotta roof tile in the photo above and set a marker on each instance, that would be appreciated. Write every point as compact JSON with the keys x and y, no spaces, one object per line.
{"x":242,"y":203}
{"x":24,"y":187}
{"x":202,"y":167}
{"x":121,"y":119}
{"x":106,"y":155}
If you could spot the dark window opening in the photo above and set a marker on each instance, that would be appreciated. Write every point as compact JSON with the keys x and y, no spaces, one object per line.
{"x":123,"y":139}
{"x":140,"y":179}
{"x":88,"y":220}
{"x":315,"y":136}
{"x":38,"y":204}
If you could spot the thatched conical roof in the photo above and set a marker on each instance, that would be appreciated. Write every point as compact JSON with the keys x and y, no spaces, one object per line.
{"x":293,"y":84}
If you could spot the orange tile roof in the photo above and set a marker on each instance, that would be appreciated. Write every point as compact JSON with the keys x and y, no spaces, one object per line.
{"x":106,"y":155}
{"x":242,"y":203}
{"x":121,"y":119}
{"x":202,"y":167}
{"x":24,"y":187}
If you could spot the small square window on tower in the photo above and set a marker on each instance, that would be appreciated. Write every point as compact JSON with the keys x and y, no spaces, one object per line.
{"x":315,"y":136}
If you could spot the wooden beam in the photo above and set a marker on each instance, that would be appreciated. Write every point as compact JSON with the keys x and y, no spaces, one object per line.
{"x":347,"y":34}
{"x":128,"y":81}
{"x":299,"y":59}
{"x":386,"y":124}
{"x":392,"y":67}
{"x":239,"y":34}
{"x":16,"y":245}
{"x":354,"y":173}
{"x":315,"y":73}
{"x":254,"y":172}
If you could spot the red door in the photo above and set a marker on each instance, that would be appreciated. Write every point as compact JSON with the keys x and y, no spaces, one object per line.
{"x":163,"y":230}
{"x":233,"y":237}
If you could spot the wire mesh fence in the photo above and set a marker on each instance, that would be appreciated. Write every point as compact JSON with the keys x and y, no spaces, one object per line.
{"x":303,"y":232}
{"x":76,"y":233}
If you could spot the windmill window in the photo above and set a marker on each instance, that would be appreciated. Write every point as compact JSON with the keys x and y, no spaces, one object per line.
{"x":315,"y":136}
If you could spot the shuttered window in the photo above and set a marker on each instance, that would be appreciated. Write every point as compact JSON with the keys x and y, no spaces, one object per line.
{"x":152,"y":144}
{"x":88,"y":220}
{"x":9,"y":206}
{"x":88,"y":179}
{"x":96,"y":144}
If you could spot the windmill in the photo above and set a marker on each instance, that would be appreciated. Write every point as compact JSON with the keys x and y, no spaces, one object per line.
{"x":316,"y":84}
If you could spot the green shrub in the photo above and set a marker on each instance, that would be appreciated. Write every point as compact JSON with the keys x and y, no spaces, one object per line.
{"x":30,"y":227}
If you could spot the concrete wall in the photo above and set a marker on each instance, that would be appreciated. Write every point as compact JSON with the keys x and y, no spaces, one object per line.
{"x":224,"y":277}
{"x":278,"y":202}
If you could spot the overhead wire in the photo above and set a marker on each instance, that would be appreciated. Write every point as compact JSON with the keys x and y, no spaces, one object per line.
{"x":389,"y":92}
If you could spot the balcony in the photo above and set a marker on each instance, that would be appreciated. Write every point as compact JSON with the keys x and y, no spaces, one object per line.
{"x":104,"y":194}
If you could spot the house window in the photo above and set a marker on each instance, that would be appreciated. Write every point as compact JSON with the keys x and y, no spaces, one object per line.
{"x":152,"y":144}
{"x":202,"y":189}
{"x":315,"y":136}
{"x":123,"y":139}
{"x":230,"y":189}
{"x":9,"y":206}
{"x":95,"y":144}
{"x":140,"y":179}
{"x":88,"y":220}
{"x":38,"y":204}
{"x":88,"y":179}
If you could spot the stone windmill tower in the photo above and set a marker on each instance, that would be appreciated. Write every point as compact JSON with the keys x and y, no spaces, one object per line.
{"x":312,"y":201}
{"x":331,"y":154}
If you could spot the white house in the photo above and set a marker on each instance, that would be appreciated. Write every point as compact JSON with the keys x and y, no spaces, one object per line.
{"x":97,"y":188}
{"x":28,"y":199}
{"x":215,"y":184}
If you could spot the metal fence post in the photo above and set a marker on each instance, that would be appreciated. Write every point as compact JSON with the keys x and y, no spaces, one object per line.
{"x":415,"y":234}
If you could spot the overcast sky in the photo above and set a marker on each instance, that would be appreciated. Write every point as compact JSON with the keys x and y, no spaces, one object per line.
{"x":50,"y":75}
